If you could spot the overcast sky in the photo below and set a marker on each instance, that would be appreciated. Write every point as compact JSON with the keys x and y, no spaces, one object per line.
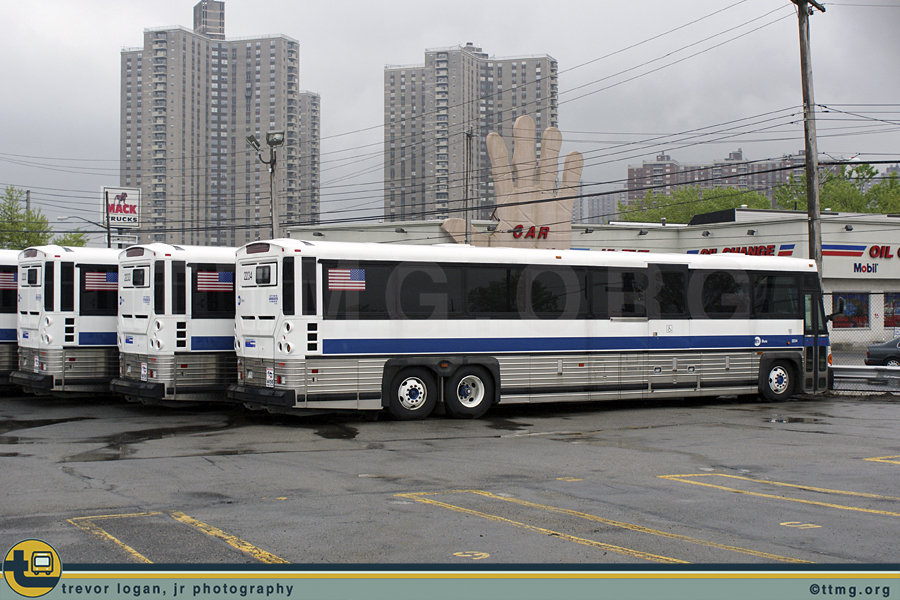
{"x":633,"y":78}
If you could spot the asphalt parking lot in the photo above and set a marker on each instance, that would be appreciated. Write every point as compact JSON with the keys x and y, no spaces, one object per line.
{"x":811,"y":480}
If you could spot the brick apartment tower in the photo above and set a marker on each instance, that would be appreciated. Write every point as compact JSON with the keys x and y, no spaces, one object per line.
{"x":189,"y":99}
{"x":429,"y":112}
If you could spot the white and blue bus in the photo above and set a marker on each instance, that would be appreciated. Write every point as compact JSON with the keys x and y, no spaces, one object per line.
{"x":67,"y":319}
{"x":176,"y":323}
{"x":9,"y":290}
{"x":412,"y":329}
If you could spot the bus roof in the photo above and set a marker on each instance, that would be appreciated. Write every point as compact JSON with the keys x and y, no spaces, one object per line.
{"x":158,"y":250}
{"x":459,"y":253}
{"x":95,"y":255}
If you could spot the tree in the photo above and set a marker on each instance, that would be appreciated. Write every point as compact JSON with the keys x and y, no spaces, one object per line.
{"x":685,"y":202}
{"x":21,"y":228}
{"x":847,"y":188}
{"x":72,"y":239}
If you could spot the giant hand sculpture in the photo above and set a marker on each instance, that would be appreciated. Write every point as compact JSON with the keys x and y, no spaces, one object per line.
{"x":533,"y":211}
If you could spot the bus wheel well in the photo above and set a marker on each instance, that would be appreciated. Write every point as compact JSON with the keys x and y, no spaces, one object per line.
{"x":442,"y":367}
{"x":779,"y":375}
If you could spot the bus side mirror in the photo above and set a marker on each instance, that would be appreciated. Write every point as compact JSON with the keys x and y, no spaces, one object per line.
{"x":840,"y":310}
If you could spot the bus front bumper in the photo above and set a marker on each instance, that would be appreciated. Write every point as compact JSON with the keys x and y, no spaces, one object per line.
{"x":140,"y":389}
{"x":261,"y":395}
{"x":31,"y":381}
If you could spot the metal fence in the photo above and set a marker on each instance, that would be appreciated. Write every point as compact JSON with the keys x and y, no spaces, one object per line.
{"x":868,"y":319}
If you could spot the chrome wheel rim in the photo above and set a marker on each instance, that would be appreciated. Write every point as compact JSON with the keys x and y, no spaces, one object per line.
{"x":470,"y":391}
{"x":779,"y":380}
{"x":412,"y":393}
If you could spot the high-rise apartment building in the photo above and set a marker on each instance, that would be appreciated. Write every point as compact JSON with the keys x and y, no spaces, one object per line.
{"x":437,"y":117}
{"x":664,"y":175}
{"x":189,"y":100}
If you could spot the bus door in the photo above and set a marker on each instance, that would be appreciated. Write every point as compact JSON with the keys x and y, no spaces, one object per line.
{"x":134,"y":308}
{"x":30,"y":303}
{"x":258,"y":308}
{"x":815,"y":341}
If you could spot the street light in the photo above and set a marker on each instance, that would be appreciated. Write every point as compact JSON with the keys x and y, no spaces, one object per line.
{"x":106,"y":227}
{"x":273,"y":140}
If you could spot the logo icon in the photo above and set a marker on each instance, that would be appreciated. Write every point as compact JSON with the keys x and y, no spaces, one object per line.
{"x":32,"y":568}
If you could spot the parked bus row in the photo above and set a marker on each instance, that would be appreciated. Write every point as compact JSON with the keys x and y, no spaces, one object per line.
{"x":295,"y":326}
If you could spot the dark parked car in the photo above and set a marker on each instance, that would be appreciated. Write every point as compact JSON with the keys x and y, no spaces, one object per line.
{"x":887,"y":354}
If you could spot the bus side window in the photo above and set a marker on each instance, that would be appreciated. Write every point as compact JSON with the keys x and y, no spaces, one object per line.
{"x":8,"y":289}
{"x":669,"y":285}
{"x":627,"y":293}
{"x":98,"y":290}
{"x":287,"y":285}
{"x":308,"y":283}
{"x":599,"y":297}
{"x":48,"y":286}
{"x":776,"y":295}
{"x":67,"y":287}
{"x":159,"y":287}
{"x":179,"y":287}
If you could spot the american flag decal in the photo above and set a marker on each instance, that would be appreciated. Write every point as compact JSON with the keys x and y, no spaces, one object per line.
{"x":215,"y":281}
{"x":102,"y":281}
{"x":347,"y":279}
{"x":9,"y":281}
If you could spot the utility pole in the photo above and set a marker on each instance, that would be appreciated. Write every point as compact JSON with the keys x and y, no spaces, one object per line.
{"x":468,"y":135}
{"x":809,"y":127}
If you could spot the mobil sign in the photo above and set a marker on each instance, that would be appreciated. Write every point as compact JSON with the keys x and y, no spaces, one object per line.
{"x":123,"y":207}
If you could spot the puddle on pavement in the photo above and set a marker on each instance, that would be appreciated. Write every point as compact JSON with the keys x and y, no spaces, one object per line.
{"x":7,"y":425}
{"x":122,"y":445}
{"x":505,"y":424}
{"x":336,"y":431}
{"x":119,"y":445}
{"x":808,"y":420}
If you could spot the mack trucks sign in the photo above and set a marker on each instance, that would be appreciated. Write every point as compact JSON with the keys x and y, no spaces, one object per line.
{"x":123,"y":207}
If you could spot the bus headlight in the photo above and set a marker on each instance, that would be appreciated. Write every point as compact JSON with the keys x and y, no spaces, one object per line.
{"x":48,"y":321}
{"x":157,"y":325}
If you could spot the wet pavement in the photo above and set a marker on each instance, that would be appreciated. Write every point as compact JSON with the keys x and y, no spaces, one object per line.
{"x":104,"y":481}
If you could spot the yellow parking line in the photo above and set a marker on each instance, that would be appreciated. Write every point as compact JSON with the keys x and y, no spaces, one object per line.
{"x":86,"y":524}
{"x":641,"y":529}
{"x":884,"y":459}
{"x":685,"y":479}
{"x":419,"y":497}
{"x":257,"y":553}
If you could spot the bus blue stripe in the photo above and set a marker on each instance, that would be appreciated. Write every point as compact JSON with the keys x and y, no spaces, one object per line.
{"x":556,"y":344}
{"x":8,"y":335}
{"x":212,"y":342}
{"x":97,"y":338}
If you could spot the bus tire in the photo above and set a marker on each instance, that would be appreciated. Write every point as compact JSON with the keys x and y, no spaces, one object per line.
{"x":779,"y":381}
{"x":413,"y":394}
{"x":468,"y":392}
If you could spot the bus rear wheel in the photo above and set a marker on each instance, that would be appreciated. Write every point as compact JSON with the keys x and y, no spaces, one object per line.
{"x":413,"y":394}
{"x":779,"y":383}
{"x":468,"y":392}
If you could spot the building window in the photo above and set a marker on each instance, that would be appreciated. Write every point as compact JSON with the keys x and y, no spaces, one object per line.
{"x":891,"y":309}
{"x":856,"y":310}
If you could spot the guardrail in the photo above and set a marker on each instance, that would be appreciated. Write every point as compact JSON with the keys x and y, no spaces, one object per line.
{"x":865,"y":379}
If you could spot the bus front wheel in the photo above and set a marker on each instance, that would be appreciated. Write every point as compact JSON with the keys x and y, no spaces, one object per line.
{"x":468,"y":392}
{"x":413,"y":394}
{"x":779,"y":383}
